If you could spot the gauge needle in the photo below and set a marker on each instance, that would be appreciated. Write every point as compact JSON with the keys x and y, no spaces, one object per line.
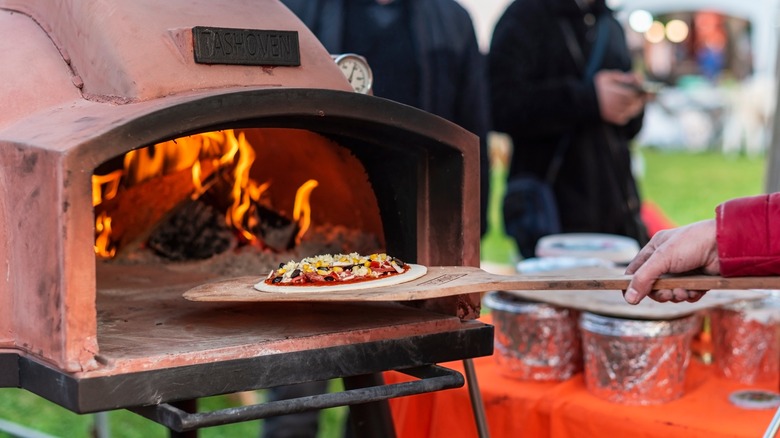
{"x":351,"y":73}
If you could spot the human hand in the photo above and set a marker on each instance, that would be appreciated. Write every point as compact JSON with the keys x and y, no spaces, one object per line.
{"x":683,"y":249}
{"x":619,"y":96}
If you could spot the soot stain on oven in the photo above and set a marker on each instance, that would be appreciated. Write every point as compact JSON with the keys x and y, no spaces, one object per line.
{"x":46,"y":283}
{"x":29,"y":160}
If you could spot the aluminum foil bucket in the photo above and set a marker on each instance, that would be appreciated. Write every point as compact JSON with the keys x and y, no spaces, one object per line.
{"x":534,"y":341}
{"x":746,"y":341}
{"x":636,"y":362}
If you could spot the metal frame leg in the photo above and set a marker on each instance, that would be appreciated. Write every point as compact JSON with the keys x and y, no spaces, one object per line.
{"x":371,"y":419}
{"x":476,"y":399}
{"x":771,"y":431}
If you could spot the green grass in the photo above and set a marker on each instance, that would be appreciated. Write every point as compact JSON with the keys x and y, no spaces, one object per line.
{"x":496,"y":246}
{"x":29,"y":410}
{"x":687,"y":187}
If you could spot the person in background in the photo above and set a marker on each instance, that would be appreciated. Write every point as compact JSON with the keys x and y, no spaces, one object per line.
{"x":742,"y":240}
{"x":423,"y":53}
{"x":542,"y":98}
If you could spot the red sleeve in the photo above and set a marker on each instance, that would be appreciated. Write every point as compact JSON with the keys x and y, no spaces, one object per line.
{"x":749,"y":236}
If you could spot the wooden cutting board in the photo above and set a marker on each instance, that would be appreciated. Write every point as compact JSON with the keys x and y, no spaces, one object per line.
{"x":442,"y":281}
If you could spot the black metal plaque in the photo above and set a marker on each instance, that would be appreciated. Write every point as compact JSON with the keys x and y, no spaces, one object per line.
{"x":219,"y":45}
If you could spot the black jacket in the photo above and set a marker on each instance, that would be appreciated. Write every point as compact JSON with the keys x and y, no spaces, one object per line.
{"x":452,"y":70}
{"x":538,"y":96}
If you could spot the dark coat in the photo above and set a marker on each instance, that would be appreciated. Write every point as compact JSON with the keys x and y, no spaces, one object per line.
{"x":538,"y":96}
{"x":452,"y":70}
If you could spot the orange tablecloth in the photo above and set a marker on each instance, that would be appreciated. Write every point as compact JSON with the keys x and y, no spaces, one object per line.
{"x":566,"y":409}
{"x":654,"y":218}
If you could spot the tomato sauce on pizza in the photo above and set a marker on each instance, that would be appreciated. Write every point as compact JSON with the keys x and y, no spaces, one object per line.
{"x":332,"y":269}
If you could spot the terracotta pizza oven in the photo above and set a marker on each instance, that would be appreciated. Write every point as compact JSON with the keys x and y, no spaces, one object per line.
{"x":150,"y":147}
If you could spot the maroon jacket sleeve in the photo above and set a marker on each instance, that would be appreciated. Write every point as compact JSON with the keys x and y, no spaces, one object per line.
{"x":749,"y":236}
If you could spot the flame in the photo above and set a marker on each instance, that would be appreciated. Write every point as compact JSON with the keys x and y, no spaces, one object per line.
{"x":240,"y":193}
{"x":103,"y":245}
{"x":302,"y":208}
{"x":163,"y":158}
{"x":255,"y":191}
{"x":196,"y":175}
{"x":110,"y":181}
{"x":222,"y":149}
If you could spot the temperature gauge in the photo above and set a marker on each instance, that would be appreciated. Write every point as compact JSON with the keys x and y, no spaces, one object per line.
{"x":357,"y":71}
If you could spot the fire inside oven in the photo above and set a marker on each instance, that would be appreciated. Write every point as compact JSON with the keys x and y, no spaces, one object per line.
{"x":234,"y":202}
{"x":240,"y":199}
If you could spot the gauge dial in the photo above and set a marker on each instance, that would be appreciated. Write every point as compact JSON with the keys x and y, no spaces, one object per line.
{"x":357,"y":71}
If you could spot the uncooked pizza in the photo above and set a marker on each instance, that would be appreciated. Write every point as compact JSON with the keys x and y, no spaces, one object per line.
{"x":340,"y":272}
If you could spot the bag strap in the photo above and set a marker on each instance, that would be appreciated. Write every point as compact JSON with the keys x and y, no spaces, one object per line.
{"x":599,"y":49}
{"x":599,"y":46}
{"x":594,"y":62}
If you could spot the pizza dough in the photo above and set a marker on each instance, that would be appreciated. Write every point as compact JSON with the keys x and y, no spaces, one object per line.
{"x":414,"y":272}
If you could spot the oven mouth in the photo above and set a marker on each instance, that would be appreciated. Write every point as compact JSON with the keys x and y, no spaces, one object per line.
{"x":235,"y":202}
{"x":389,"y":147}
{"x":393,"y":142}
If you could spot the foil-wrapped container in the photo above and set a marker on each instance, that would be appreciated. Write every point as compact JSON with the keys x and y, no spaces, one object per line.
{"x":746,"y":342}
{"x":636,"y":362}
{"x":534,"y":341}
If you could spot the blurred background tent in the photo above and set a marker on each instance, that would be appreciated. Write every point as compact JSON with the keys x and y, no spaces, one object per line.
{"x":717,"y":62}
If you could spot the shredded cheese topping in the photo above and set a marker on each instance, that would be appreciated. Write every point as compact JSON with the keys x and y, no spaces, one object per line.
{"x":336,"y":268}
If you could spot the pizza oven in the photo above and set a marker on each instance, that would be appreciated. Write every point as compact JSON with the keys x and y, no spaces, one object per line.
{"x":148,"y":148}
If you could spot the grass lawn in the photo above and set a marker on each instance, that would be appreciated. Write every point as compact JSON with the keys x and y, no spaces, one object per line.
{"x":685,"y":186}
{"x":33,"y":412}
{"x":688,"y":187}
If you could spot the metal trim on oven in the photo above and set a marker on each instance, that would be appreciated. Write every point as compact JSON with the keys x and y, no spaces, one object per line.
{"x":9,"y":370}
{"x":87,"y":395}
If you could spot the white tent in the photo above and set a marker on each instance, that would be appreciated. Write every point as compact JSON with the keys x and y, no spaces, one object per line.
{"x":762,"y":15}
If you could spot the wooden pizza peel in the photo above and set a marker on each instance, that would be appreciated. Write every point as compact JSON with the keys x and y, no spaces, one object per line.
{"x":558,"y":287}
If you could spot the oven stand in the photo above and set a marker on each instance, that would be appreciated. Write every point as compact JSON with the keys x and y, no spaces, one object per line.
{"x":476,"y":399}
{"x":154,"y":393}
{"x":366,"y":395}
{"x":365,"y":391}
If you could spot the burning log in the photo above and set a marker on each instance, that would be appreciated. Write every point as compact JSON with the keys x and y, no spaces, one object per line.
{"x":196,"y":231}
{"x":179,"y":225}
{"x":164,"y":180}
{"x":138,"y":209}
{"x":277,"y":232}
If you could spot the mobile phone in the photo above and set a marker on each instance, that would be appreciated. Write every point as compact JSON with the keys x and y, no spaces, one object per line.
{"x":647,"y":87}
